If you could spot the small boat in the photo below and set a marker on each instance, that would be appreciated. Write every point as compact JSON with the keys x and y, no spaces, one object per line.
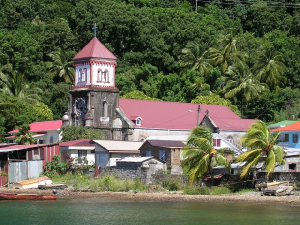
{"x":8,"y":196}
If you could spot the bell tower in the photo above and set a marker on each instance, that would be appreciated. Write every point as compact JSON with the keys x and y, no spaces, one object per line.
{"x":94,"y":96}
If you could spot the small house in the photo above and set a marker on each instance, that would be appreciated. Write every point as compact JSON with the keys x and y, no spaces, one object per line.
{"x":107,"y":152}
{"x":82,"y":151}
{"x":166,"y":150}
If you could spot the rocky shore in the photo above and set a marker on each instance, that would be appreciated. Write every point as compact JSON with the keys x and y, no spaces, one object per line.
{"x":249,"y":198}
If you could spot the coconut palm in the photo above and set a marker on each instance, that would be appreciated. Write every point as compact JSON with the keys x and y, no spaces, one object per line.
{"x":269,"y":68}
{"x":240,"y":83}
{"x":199,"y":154}
{"x":14,"y":84}
{"x":24,"y":136}
{"x":192,"y":58}
{"x":61,"y":65}
{"x":261,"y":147}
{"x":226,"y":52}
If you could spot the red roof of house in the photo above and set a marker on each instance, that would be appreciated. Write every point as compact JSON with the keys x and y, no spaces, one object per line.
{"x":39,"y":127}
{"x":292,"y":127}
{"x":95,"y":49}
{"x":77,"y":143}
{"x":23,"y":147}
{"x":181,"y":116}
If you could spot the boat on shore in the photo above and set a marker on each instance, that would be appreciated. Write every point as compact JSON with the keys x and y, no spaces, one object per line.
{"x":9,"y":196}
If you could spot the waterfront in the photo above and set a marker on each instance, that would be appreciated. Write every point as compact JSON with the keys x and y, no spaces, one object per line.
{"x":111,"y":211}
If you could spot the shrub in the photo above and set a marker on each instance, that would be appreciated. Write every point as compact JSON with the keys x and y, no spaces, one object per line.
{"x":172,"y":184}
{"x":219,"y":191}
{"x":194,"y":190}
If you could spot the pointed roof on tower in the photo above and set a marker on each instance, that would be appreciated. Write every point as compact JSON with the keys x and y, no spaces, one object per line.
{"x":95,"y":49}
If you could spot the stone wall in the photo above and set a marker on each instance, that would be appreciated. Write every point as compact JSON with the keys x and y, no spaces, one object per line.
{"x":293,"y":177}
{"x":141,"y":173}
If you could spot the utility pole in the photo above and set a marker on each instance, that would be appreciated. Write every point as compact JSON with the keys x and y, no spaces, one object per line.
{"x":198,"y":115}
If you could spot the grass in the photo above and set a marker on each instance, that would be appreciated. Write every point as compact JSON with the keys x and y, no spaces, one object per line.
{"x":106,"y":183}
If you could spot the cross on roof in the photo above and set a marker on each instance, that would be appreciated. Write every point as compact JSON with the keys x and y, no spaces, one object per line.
{"x":95,"y":29}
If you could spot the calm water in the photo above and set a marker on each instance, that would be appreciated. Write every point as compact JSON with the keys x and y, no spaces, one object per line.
{"x":111,"y":212}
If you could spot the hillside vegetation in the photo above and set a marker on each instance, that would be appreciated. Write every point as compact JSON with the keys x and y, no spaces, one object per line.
{"x":248,"y":54}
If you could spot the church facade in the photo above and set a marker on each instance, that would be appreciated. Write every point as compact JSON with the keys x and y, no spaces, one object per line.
{"x":94,"y":102}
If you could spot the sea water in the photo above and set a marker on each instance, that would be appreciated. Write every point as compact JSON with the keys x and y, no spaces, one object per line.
{"x":113,"y":212}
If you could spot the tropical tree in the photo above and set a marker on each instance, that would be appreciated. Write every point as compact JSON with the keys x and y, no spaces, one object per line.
{"x":200,"y":156}
{"x":240,"y":83}
{"x":261,"y":148}
{"x":226,"y":52}
{"x":61,"y":65}
{"x":24,"y":136}
{"x":14,"y":84}
{"x":269,"y":68}
{"x":192,"y":58}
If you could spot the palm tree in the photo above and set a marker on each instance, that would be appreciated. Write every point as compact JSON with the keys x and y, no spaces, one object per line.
{"x":14,"y":84}
{"x":61,"y":65}
{"x":261,"y":147}
{"x":269,"y":68}
{"x":24,"y":137}
{"x":199,"y":154}
{"x":192,"y":58}
{"x":240,"y":82}
{"x":226,"y":52}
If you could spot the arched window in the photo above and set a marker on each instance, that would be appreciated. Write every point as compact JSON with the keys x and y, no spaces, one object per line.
{"x":84,"y":74}
{"x":99,"y":75}
{"x":230,"y":139}
{"x":105,"y":109}
{"x":80,"y":75}
{"x":105,"y":77}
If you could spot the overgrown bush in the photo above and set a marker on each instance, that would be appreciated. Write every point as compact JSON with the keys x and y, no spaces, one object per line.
{"x":54,"y":167}
{"x":219,"y":191}
{"x":172,"y":184}
{"x":196,"y":190}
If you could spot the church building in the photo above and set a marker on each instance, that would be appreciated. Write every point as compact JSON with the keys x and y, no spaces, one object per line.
{"x":94,"y":102}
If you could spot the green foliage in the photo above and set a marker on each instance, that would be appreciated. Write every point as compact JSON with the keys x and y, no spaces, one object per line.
{"x":43,"y":112}
{"x":172,"y":184}
{"x":199,"y":154}
{"x":197,"y":190}
{"x":262,"y":147}
{"x":74,"y":133}
{"x":106,"y":183}
{"x":214,"y":99}
{"x":24,"y":137}
{"x":138,"y":95}
{"x":55,"y":167}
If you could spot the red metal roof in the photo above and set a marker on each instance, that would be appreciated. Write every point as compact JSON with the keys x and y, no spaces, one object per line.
{"x":181,"y":116}
{"x":39,"y":127}
{"x":81,"y":143}
{"x":95,"y":49}
{"x":292,"y":127}
{"x":23,"y":147}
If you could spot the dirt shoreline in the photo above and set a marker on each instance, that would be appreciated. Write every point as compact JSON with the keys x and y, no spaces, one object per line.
{"x":248,"y":198}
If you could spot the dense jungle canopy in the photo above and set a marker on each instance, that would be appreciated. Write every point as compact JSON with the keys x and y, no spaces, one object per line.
{"x":245,"y":54}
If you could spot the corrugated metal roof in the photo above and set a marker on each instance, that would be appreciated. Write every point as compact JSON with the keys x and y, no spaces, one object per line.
{"x":95,"y":49}
{"x":22,"y":147}
{"x":81,"y":143}
{"x":135,"y":159}
{"x":282,"y":124}
{"x":119,"y":145}
{"x":166,"y":143}
{"x":181,"y":116}
{"x":41,"y":127}
{"x":292,"y":127}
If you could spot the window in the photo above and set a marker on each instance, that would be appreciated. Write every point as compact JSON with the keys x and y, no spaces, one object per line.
{"x":104,"y":108}
{"x":99,"y":75}
{"x":82,"y":75}
{"x":148,"y":153}
{"x":138,"y":122}
{"x":286,"y":138}
{"x":51,"y":139}
{"x":295,"y":138}
{"x":124,"y":155}
{"x":81,"y":154}
{"x":103,"y":76}
{"x":292,"y":167}
{"x":230,"y":139}
{"x":162,"y":155}
{"x":217,"y":142}
{"x":102,"y":159}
